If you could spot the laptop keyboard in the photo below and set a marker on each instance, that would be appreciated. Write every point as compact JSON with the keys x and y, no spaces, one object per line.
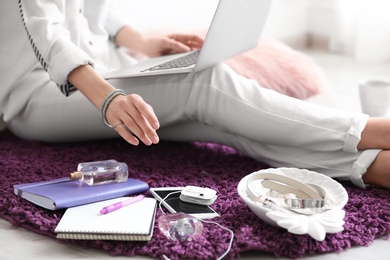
{"x":182,"y":62}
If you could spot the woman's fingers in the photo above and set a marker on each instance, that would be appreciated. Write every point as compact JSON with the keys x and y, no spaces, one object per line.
{"x":146,"y":119}
{"x":177,"y":43}
{"x":124,"y":132}
{"x":191,"y":40}
{"x":138,"y":123}
{"x":133,"y":116}
{"x":171,"y":46}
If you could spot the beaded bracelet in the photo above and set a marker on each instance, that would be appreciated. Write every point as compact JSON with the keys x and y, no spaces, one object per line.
{"x":106,"y":102}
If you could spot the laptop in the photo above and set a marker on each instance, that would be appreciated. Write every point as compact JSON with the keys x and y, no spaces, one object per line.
{"x":235,"y":28}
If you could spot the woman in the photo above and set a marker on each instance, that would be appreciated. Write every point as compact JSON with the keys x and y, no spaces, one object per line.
{"x":51,"y":45}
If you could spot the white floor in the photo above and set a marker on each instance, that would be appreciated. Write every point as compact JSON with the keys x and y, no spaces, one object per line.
{"x":343,"y":72}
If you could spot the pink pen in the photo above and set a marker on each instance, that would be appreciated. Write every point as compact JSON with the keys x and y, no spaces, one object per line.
{"x":122,"y":204}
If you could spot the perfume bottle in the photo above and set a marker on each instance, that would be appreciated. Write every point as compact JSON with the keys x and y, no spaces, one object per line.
{"x":180,"y":226}
{"x":101,"y":172}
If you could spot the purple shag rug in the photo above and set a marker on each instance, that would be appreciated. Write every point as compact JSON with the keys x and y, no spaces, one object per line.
{"x":180,"y":164}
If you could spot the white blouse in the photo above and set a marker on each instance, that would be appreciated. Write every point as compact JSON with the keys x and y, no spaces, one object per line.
{"x":62,"y":35}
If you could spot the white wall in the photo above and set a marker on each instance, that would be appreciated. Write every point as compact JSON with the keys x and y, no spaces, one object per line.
{"x":287,"y":20}
{"x":360,"y":28}
{"x":168,"y":14}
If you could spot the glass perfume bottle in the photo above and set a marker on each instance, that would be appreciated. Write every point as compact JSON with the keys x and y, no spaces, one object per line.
{"x":101,"y":172}
{"x":180,"y":226}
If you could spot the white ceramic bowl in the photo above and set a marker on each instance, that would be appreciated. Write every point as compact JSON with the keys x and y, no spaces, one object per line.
{"x":316,"y":225}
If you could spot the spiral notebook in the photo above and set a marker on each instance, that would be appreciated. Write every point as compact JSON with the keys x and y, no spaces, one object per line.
{"x":134,"y":222}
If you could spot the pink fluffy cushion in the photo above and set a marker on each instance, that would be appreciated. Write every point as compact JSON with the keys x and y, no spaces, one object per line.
{"x":276,"y":66}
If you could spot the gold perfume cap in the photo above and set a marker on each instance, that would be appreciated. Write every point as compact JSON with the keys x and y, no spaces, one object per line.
{"x":76,"y":175}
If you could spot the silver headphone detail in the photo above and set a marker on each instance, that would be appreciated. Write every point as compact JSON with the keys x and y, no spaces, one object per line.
{"x":286,"y":193}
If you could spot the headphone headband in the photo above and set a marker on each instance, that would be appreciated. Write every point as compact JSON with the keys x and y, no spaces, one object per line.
{"x":304,"y":196}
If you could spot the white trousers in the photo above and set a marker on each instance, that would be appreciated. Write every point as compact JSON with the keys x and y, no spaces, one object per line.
{"x":215,"y":105}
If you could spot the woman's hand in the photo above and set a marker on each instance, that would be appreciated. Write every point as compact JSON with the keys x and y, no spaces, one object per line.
{"x":170,"y":44}
{"x":132,"y":115}
{"x":127,"y":114}
{"x":153,"y":46}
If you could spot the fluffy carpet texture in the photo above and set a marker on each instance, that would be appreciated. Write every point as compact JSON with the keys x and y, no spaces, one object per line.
{"x":179,"y":164}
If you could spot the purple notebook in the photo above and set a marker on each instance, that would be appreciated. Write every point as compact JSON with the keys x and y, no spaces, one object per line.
{"x":65,"y":193}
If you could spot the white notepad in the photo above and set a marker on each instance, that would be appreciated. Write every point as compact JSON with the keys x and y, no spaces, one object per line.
{"x":133,"y":222}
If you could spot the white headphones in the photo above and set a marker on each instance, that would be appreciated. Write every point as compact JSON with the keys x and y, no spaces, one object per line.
{"x":299,"y":200}
{"x":276,"y":190}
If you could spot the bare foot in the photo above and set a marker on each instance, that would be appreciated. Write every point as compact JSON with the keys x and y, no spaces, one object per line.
{"x":379,"y":171}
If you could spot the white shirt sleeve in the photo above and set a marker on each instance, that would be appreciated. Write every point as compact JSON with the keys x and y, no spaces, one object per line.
{"x":115,"y":21}
{"x":50,"y":36}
